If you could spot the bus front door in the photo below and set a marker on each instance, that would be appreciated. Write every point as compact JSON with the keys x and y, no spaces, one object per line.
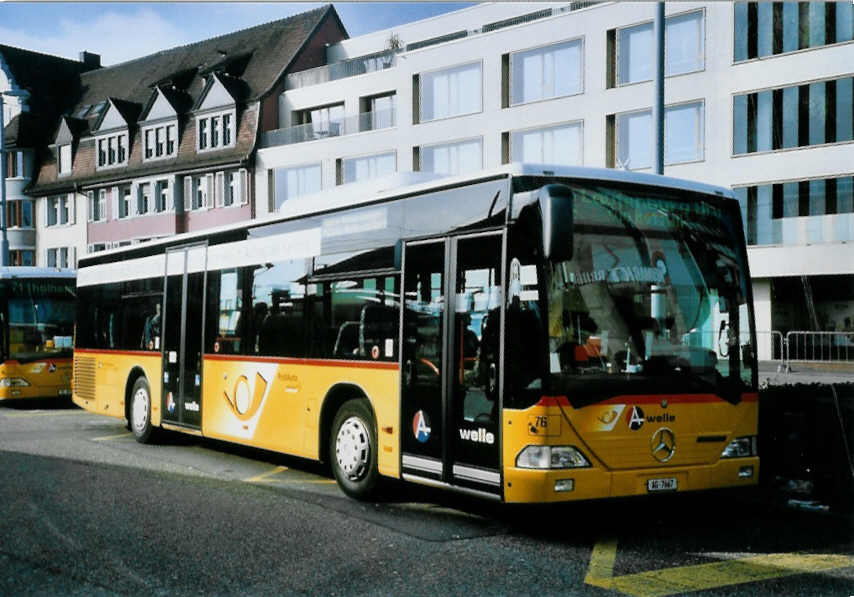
{"x":183,"y":314}
{"x":452,"y":321}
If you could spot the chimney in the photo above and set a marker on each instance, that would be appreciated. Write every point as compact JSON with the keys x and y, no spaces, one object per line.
{"x":90,"y":61}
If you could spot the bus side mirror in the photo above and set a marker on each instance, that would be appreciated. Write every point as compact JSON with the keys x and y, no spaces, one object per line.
{"x":555,"y":202}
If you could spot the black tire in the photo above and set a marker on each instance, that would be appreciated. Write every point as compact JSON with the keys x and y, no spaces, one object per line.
{"x":353,"y":449}
{"x":139,"y":413}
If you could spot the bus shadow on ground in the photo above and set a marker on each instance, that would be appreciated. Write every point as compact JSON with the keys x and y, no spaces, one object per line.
{"x":24,"y":404}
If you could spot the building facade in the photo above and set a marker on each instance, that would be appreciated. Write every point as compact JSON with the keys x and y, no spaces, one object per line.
{"x":165,"y":143}
{"x":758,"y":98}
{"x":45,"y":82}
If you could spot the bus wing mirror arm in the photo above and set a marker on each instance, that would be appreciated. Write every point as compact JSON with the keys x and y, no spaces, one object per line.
{"x":555,"y":201}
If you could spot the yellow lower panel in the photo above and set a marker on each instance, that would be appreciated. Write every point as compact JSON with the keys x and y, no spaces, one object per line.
{"x":113,"y":369}
{"x":532,"y":486}
{"x":276,"y":404}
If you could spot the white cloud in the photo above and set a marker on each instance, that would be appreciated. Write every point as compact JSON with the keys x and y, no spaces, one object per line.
{"x":117,"y":37}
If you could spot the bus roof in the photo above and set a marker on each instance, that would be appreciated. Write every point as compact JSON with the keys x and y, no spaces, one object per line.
{"x":413,"y":183}
{"x":24,"y":271}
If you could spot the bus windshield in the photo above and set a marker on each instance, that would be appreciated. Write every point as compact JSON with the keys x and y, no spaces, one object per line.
{"x":40,"y":319}
{"x":654,"y":300}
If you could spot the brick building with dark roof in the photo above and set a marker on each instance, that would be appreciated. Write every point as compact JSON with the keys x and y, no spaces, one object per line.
{"x":165,"y":143}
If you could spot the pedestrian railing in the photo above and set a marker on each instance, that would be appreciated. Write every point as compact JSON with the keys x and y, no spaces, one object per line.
{"x":771,"y":345}
{"x":819,"y":346}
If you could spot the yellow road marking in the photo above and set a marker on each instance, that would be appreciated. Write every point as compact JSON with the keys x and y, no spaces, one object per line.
{"x":671,"y":581}
{"x":601,"y":562}
{"x":106,"y":437}
{"x":264,"y":476}
{"x":318,"y":481}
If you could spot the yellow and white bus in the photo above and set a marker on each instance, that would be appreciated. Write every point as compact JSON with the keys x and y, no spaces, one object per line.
{"x":527,"y":334}
{"x":37,"y":308}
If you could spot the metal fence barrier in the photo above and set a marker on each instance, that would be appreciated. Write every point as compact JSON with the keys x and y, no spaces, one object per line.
{"x":821,"y":347}
{"x":774,"y":342}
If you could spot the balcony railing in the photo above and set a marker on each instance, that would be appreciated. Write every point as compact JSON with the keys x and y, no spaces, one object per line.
{"x":341,"y":70}
{"x":366,"y":121}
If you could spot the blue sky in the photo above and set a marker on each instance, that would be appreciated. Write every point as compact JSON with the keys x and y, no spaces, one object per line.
{"x":120,"y":31}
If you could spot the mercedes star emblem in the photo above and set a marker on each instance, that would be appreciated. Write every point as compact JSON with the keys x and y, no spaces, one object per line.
{"x":663,"y":444}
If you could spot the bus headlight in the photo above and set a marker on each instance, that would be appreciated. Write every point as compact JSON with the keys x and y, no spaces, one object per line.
{"x":741,"y":447}
{"x":13,"y":382}
{"x":546,"y":457}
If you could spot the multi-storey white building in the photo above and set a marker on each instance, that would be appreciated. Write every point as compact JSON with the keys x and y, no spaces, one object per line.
{"x":758,"y":97}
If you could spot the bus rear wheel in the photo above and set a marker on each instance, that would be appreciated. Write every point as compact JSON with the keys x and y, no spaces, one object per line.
{"x":353,"y":449}
{"x":140,"y":412}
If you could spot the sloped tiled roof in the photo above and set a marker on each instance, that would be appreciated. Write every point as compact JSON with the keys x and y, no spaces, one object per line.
{"x":51,"y":80}
{"x":249,"y":62}
{"x":270,"y":47}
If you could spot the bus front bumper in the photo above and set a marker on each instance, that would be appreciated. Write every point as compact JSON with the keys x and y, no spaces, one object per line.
{"x":26,"y":392}
{"x":545,"y":486}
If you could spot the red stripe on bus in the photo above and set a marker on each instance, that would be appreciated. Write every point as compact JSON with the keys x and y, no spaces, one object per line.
{"x":677,"y":399}
{"x":145,"y":353}
{"x":299,"y":361}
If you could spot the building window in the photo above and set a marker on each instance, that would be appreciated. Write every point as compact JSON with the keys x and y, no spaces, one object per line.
{"x":215,"y":131}
{"x":543,"y":73}
{"x":290,"y":183}
{"x":161,"y":199}
{"x":797,"y":116}
{"x":97,"y":205}
{"x":683,"y":48}
{"x":160,"y":142}
{"x":552,"y":145}
{"x":377,"y":112}
{"x":200,"y":192}
{"x":19,"y":257}
{"x":321,"y":122}
{"x":794,"y":212}
{"x":64,"y":159}
{"x":124,"y":202}
{"x":452,"y":158}
{"x":226,"y":130}
{"x":683,"y":136}
{"x":450,"y":92}
{"x":60,"y":210}
{"x":771,"y":28}
{"x":19,"y":213}
{"x":96,"y":247}
{"x":144,"y":199}
{"x":366,"y":167}
{"x":60,"y":257}
{"x":14,"y":164}
{"x":112,"y":150}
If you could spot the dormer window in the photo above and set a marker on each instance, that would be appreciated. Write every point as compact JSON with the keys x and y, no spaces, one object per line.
{"x":215,"y":131}
{"x":160,"y":141}
{"x":112,"y":150}
{"x":64,"y":161}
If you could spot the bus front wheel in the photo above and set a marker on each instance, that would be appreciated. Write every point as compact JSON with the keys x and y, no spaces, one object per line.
{"x":353,"y":449}
{"x":140,"y":411}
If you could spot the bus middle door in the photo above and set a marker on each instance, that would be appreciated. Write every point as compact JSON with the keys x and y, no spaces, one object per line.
{"x":183,"y":316}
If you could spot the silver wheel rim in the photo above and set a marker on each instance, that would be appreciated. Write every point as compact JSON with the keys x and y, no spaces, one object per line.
{"x":140,"y":411}
{"x":353,"y":448}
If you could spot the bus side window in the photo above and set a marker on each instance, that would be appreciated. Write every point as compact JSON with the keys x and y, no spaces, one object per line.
{"x":278,"y":312}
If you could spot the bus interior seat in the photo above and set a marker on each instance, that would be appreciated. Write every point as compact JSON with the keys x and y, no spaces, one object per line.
{"x":377,"y":323}
{"x":347,"y":341}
